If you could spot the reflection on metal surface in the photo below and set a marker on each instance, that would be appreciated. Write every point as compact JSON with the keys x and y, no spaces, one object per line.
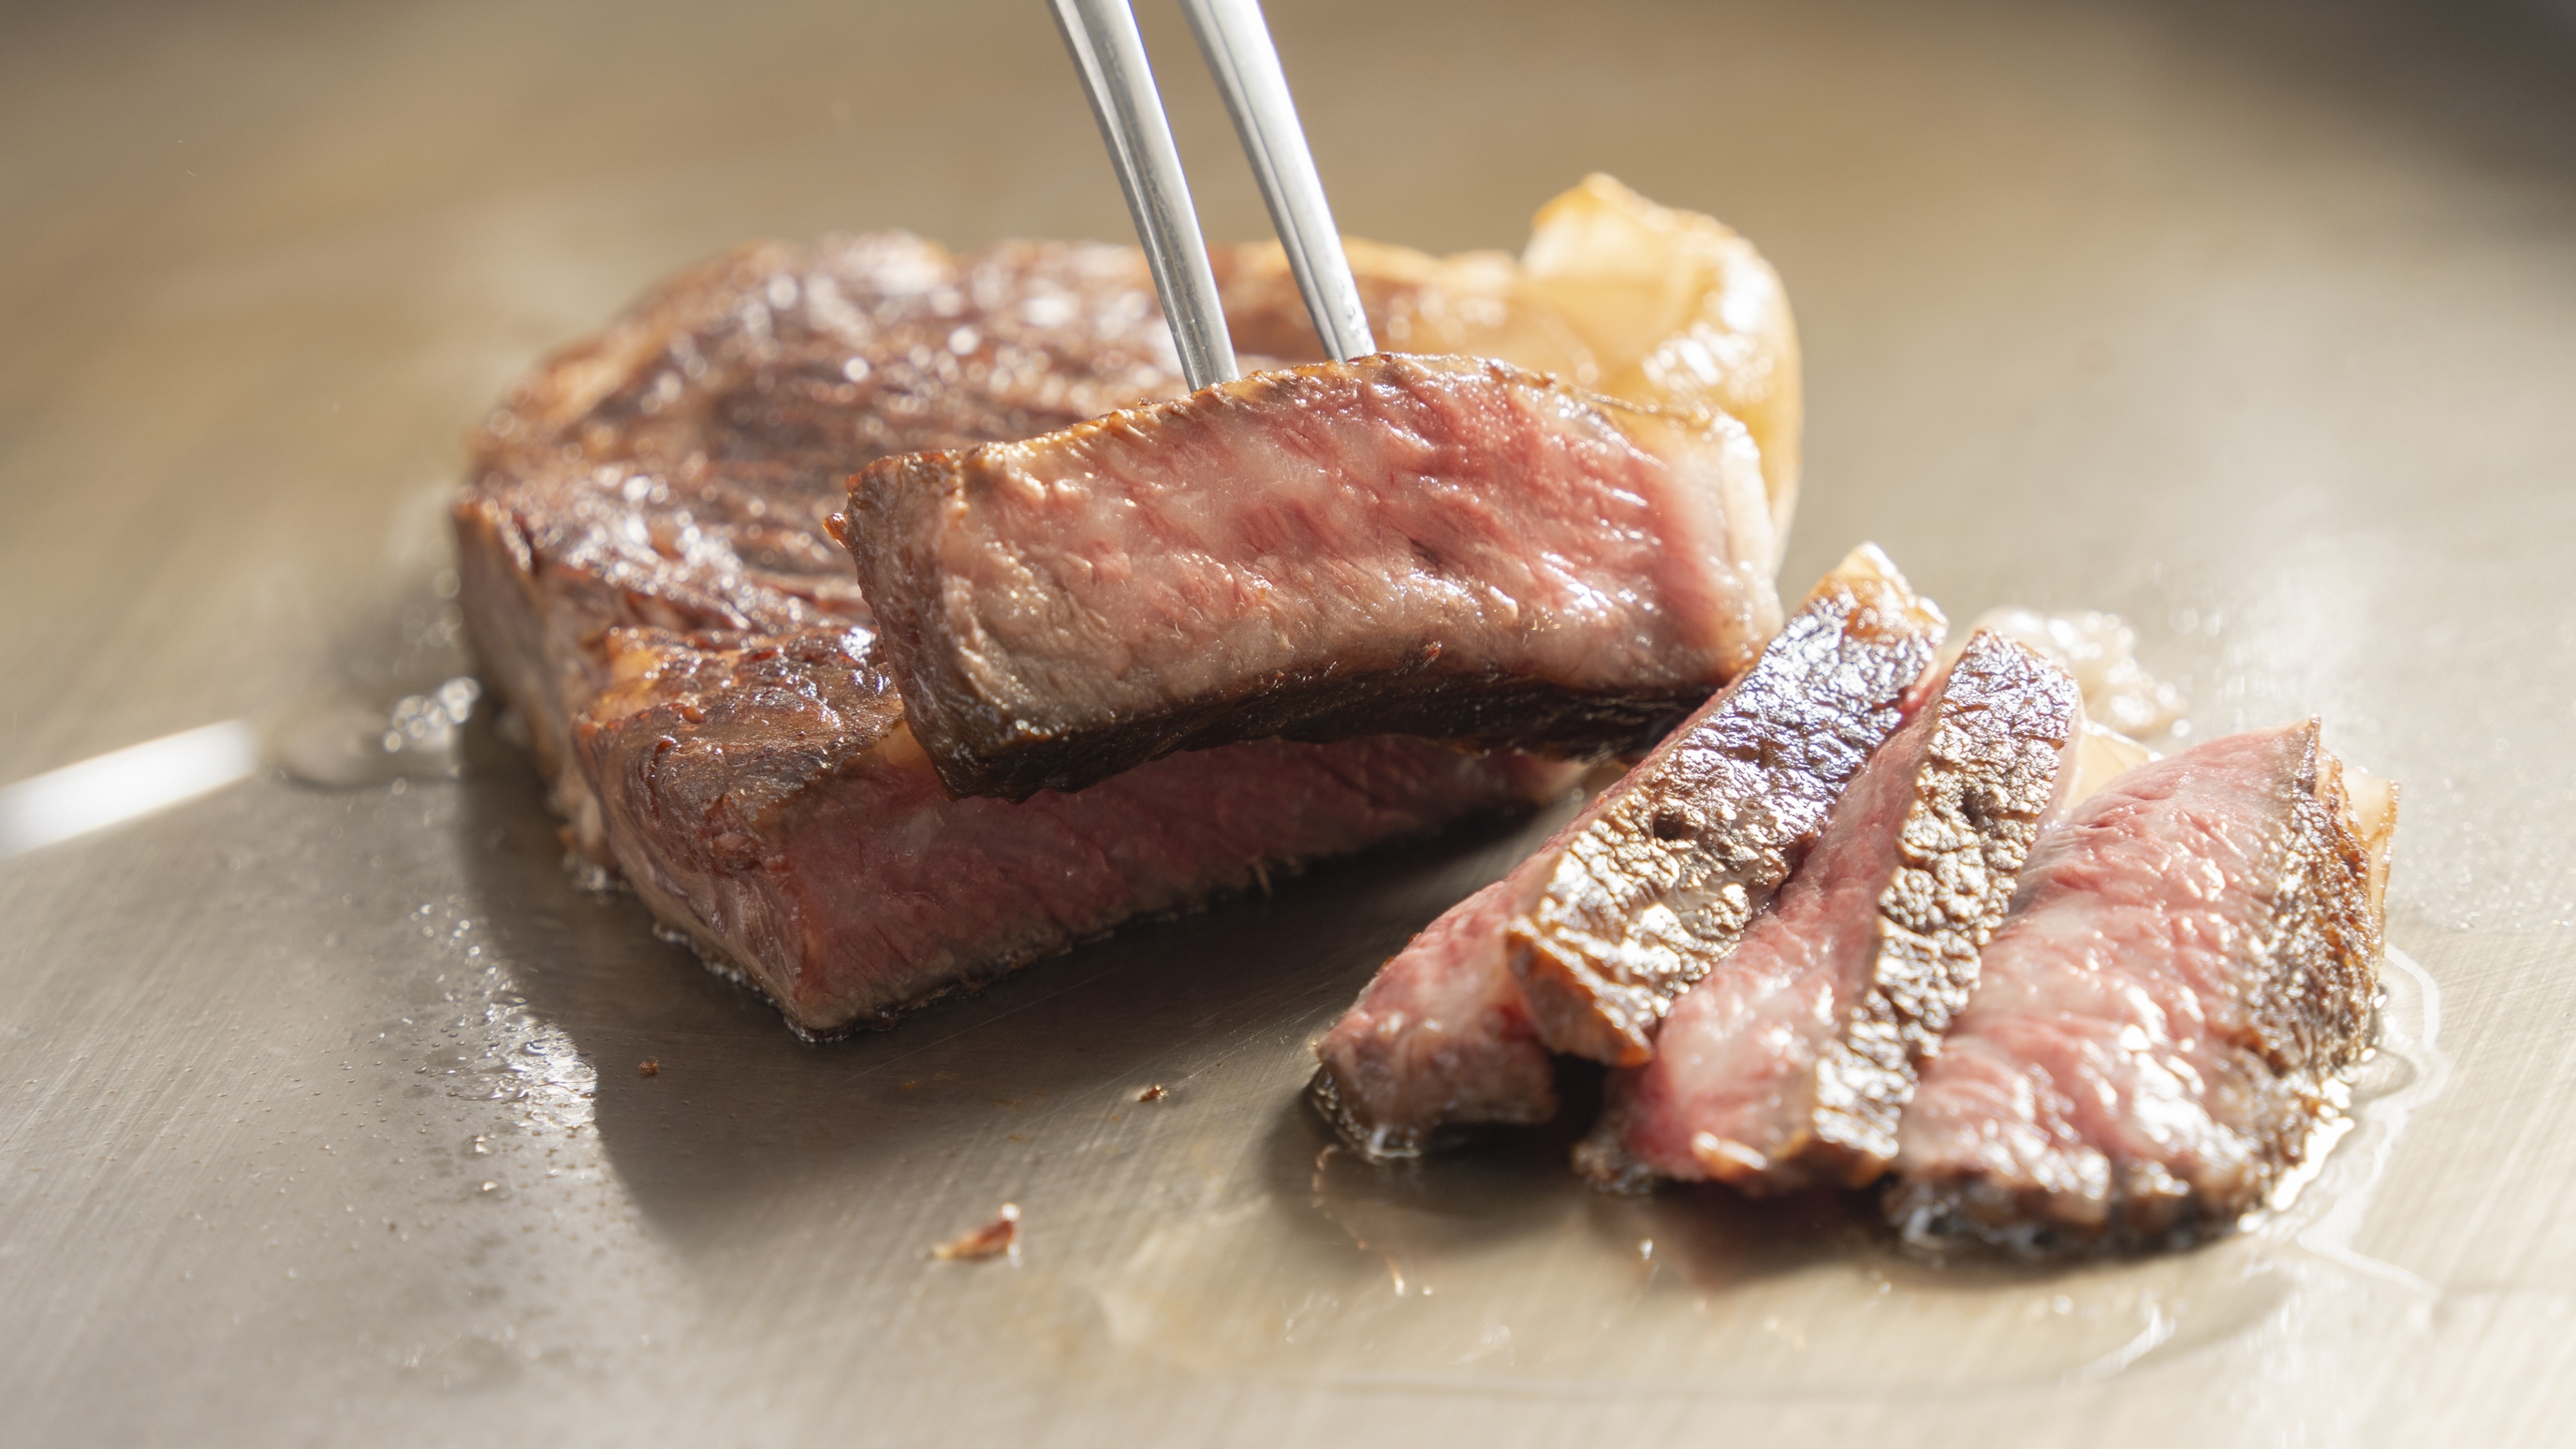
{"x":115,"y":787}
{"x":343,"y":742}
{"x":2406,"y":1070}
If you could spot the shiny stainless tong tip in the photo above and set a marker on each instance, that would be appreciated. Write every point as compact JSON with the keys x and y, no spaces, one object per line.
{"x":1111,"y":58}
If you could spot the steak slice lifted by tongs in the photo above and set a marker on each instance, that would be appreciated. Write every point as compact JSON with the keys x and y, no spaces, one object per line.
{"x":1788,"y":1065}
{"x":1585,"y":944}
{"x":1433,"y":546}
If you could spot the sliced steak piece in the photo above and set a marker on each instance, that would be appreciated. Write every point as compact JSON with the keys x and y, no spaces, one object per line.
{"x":2192,"y":957}
{"x":1583,"y":945}
{"x":1788,"y":1065}
{"x":1441,"y":1037}
{"x":771,"y":801}
{"x":1435,"y":546}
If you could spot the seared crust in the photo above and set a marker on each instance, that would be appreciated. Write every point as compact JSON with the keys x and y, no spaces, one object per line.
{"x":2193,"y":962}
{"x":2313,"y":1005}
{"x":1432,"y":546}
{"x":1661,"y":883}
{"x":1790,"y":1064}
{"x":1993,"y":769}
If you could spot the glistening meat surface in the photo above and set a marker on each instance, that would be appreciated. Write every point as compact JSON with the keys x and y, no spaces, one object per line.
{"x":820,"y":854}
{"x":1666,"y":872}
{"x":1582,"y":946}
{"x":673,"y":471}
{"x":1435,"y":546}
{"x":1788,"y":1065}
{"x":2192,"y":957}
{"x":647,"y":579}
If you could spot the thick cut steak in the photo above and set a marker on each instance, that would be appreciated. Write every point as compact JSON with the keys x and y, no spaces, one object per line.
{"x":820,"y":853}
{"x":1435,"y":546}
{"x":2192,"y":957}
{"x":1581,"y":948}
{"x":1788,"y":1065}
{"x":648,"y":580}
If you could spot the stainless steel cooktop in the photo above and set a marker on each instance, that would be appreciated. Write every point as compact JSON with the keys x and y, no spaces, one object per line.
{"x":321,"y":1117}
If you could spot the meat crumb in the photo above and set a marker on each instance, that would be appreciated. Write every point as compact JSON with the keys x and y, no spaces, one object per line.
{"x":648,"y":1068}
{"x":1000,"y":1236}
{"x":1154,"y":1093}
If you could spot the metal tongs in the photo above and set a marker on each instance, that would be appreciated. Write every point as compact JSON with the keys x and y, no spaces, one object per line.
{"x":1111,"y":56}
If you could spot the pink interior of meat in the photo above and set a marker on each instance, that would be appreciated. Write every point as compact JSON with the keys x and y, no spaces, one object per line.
{"x":1342,"y":518}
{"x":1736,"y":1060}
{"x":1451,"y":1029}
{"x":1442,"y":1034}
{"x":2108,"y":1026}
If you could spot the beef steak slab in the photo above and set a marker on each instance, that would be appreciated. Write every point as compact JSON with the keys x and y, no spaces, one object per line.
{"x":648,"y":581}
{"x":1436,"y":546}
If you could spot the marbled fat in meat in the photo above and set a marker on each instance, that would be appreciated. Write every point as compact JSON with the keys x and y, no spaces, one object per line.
{"x":1436,"y":546}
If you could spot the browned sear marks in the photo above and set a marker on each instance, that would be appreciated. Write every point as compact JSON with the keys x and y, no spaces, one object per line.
{"x":1661,"y":880}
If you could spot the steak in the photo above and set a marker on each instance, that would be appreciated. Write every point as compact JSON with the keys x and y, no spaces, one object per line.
{"x":646,"y":576}
{"x":1434,"y":546}
{"x":1788,"y":1066}
{"x":1442,"y":1037}
{"x":769,"y":801}
{"x":1660,"y":883}
{"x":648,"y":582}
{"x":2192,"y":958}
{"x":1582,"y":946}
